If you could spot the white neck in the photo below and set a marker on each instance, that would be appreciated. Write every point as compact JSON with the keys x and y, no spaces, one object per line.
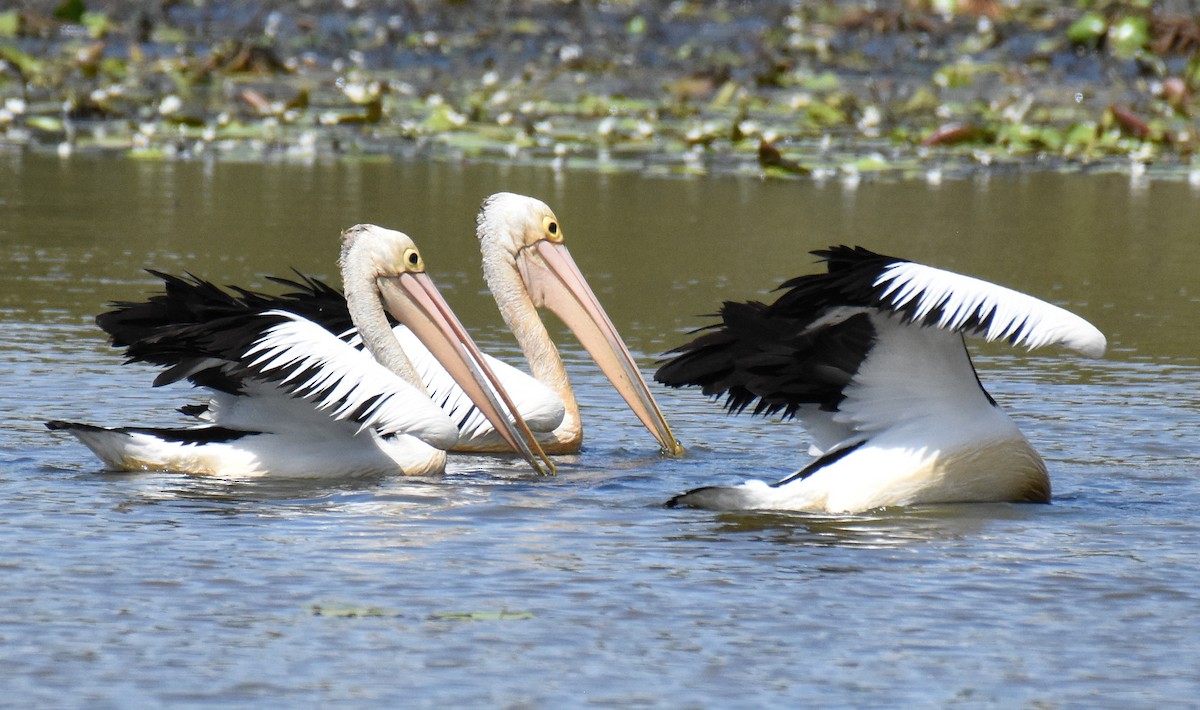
{"x":366,"y":311}
{"x":519,"y":312}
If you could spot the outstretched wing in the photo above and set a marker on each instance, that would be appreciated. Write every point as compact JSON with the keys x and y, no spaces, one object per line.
{"x":936,"y":298}
{"x":803,"y":354}
{"x":950,"y":301}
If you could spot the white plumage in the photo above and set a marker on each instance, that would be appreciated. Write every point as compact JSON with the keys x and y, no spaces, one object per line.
{"x":290,"y":398}
{"x":344,"y":382}
{"x":963,"y":301}
{"x":539,"y":406}
{"x":527,"y":266}
{"x":870,"y":358}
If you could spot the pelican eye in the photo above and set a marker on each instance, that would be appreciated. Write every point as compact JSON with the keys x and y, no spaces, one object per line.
{"x":551,"y":228}
{"x":412,"y":260}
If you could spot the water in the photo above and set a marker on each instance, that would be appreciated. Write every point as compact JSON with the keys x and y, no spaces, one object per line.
{"x":492,"y":588}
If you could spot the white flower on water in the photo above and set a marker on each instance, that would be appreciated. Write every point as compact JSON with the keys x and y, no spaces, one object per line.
{"x":170,"y":105}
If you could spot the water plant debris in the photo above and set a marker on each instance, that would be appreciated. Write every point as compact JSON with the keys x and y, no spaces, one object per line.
{"x":774,"y":89}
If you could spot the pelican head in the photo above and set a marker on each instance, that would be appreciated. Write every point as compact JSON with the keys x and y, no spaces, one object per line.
{"x":383,"y":267}
{"x":524,"y":235}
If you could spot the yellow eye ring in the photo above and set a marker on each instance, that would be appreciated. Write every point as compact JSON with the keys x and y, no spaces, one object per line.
{"x":551,"y":228}
{"x":413,"y":261}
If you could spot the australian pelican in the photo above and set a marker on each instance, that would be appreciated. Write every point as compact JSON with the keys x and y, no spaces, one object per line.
{"x":527,"y":266}
{"x":870,"y":357}
{"x":292,"y":398}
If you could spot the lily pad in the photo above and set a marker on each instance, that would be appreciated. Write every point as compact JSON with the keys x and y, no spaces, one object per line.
{"x":482,"y":616}
{"x":10,"y":23}
{"x":1128,"y":35}
{"x":1088,"y":29}
{"x":351,"y":612}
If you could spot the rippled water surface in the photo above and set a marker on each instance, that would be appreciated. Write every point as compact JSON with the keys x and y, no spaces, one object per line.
{"x":489,"y":587}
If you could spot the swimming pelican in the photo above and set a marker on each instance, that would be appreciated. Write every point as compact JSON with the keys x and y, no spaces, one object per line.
{"x":871,"y":358}
{"x":289,"y":397}
{"x":527,"y":266}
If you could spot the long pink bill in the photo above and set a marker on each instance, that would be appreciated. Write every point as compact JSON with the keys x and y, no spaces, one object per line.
{"x":413,"y":299}
{"x":555,"y":282}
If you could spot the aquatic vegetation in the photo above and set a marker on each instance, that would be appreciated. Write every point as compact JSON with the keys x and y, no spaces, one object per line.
{"x":778,"y":89}
{"x":347,"y":611}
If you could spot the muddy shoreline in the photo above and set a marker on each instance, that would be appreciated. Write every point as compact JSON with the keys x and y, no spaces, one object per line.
{"x":777,"y":89}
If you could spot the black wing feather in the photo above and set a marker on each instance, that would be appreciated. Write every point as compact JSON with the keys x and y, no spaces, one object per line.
{"x":194,"y":321}
{"x":777,"y":354}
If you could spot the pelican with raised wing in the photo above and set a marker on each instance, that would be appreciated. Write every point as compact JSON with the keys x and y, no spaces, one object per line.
{"x":871,"y":358}
{"x":289,"y":397}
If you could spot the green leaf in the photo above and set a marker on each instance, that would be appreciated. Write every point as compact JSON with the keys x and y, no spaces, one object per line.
{"x":1128,"y":34}
{"x":821,"y":114}
{"x":869,"y":164}
{"x":49,"y":124}
{"x":10,"y":23}
{"x":97,"y":24}
{"x":955,"y":76}
{"x":70,"y":11}
{"x":1080,"y":136}
{"x":1088,"y":29}
{"x":28,"y":65}
{"x":819,"y":83}
{"x":482,"y":616}
{"x":350,"y":612}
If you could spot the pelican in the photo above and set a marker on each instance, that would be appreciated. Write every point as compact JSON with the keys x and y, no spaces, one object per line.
{"x":871,"y":358}
{"x":292,"y":399}
{"x":527,"y":266}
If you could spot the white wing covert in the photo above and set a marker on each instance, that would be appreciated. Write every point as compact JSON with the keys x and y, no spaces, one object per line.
{"x":538,"y":405}
{"x":943,"y":299}
{"x":345,"y":382}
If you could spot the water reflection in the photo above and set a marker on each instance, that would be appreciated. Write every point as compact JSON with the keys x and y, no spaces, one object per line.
{"x":467,"y":479}
{"x":666,"y":250}
{"x":882,"y":529}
